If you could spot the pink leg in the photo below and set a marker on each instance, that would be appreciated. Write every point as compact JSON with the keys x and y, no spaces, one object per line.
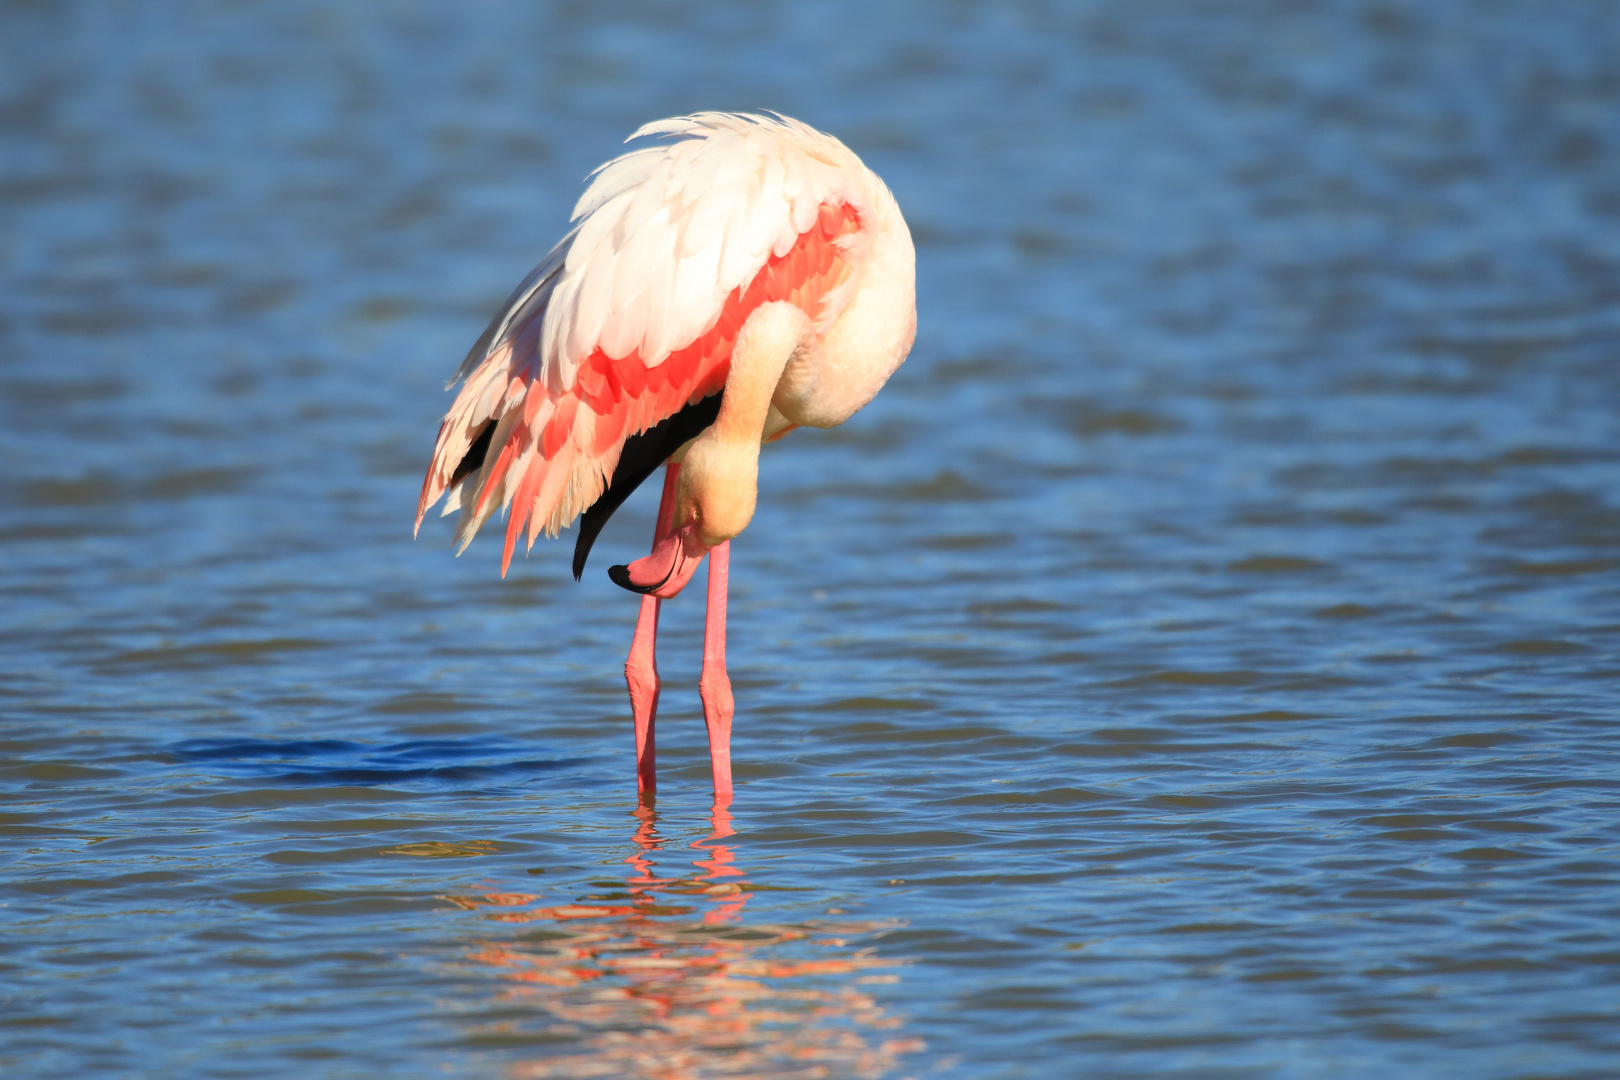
{"x":641,"y":667}
{"x":714,"y":686}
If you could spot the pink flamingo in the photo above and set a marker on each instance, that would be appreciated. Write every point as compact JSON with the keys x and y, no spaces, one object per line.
{"x":717,"y":290}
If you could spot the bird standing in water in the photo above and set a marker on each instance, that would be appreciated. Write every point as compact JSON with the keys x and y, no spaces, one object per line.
{"x":745,"y":277}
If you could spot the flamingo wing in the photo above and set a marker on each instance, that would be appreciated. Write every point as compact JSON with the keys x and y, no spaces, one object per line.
{"x":632,"y":317}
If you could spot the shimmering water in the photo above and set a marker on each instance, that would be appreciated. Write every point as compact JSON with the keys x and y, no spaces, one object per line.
{"x":1199,"y":662}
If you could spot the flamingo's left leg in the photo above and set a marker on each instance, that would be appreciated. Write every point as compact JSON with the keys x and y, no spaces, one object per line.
{"x":714,"y":685}
{"x":641,"y":666}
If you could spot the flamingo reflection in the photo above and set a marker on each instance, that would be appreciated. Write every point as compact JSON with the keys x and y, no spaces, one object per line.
{"x":661,"y":978}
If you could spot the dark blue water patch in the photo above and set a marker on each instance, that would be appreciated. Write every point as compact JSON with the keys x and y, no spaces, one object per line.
{"x":237,"y":749}
{"x":441,"y":763}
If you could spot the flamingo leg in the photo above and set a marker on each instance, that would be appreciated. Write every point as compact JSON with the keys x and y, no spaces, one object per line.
{"x":641,"y":667}
{"x":714,"y":685}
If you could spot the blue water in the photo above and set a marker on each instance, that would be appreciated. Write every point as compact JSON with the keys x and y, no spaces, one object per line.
{"x":1199,"y":661}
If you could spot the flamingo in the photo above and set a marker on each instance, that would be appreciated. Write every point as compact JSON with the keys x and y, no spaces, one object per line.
{"x":745,"y":276}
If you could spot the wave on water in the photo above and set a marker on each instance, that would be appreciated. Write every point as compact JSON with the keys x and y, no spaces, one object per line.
{"x":340,"y":762}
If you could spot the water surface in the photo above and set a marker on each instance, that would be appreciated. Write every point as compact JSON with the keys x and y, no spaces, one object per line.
{"x":1198,"y":662}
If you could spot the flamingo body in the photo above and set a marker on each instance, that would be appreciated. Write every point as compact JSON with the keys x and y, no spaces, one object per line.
{"x":747,"y":277}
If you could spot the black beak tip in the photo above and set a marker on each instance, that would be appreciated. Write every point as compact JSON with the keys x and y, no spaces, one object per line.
{"x":620,"y":576}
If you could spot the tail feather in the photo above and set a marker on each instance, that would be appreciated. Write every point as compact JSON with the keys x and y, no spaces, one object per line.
{"x":489,"y":493}
{"x":523,"y":503}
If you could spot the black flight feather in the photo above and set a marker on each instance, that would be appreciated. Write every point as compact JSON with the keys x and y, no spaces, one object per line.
{"x":640,"y":458}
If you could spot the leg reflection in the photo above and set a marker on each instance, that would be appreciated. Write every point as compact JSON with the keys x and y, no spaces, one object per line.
{"x":721,"y":864}
{"x":663,"y":978}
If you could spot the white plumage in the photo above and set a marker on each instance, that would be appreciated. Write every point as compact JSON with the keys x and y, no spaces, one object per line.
{"x":668,"y":231}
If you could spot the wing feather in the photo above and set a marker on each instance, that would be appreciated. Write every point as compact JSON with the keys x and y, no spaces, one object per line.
{"x":695,"y":283}
{"x":623,"y":173}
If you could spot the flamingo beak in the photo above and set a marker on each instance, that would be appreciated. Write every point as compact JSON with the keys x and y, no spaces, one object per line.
{"x":666,"y":570}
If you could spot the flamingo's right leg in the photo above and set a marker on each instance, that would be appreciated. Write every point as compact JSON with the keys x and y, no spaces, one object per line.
{"x":714,"y":685}
{"x":641,"y":667}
